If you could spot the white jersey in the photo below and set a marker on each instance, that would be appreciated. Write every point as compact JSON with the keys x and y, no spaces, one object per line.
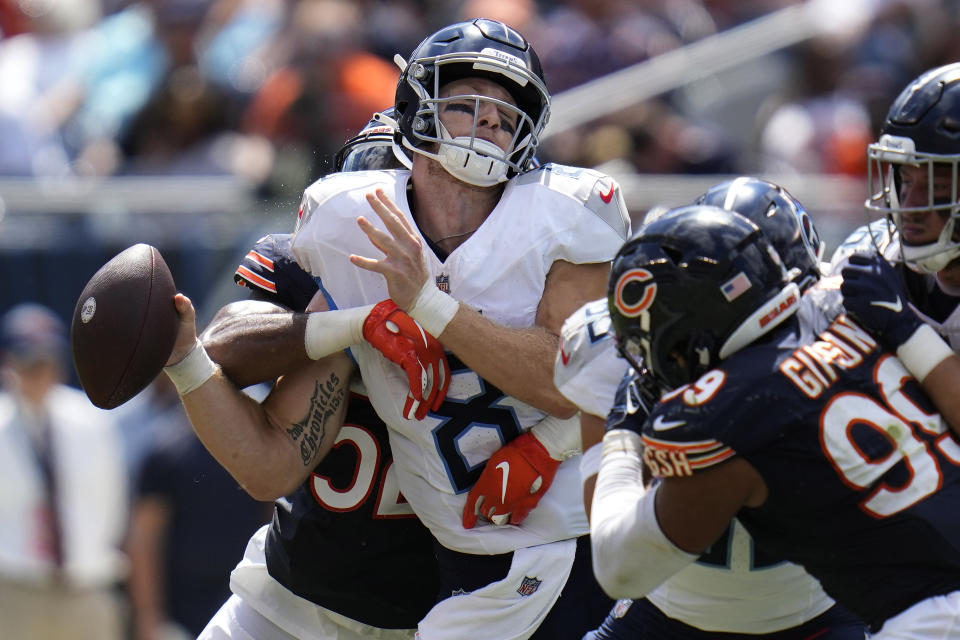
{"x":588,"y":369}
{"x":553,"y":213}
{"x":881,"y":235}
{"x":730,"y":588}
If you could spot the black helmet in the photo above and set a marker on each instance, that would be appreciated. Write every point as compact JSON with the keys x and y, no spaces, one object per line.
{"x":783,"y":220}
{"x":693,"y":287}
{"x":483,"y":48}
{"x":922,"y":128}
{"x":374,"y":147}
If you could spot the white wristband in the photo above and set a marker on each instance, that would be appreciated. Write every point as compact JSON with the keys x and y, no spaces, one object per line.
{"x":433,"y":308}
{"x":561,"y":438}
{"x":192,"y":371}
{"x":331,"y":331}
{"x":590,"y":462}
{"x":923,"y":351}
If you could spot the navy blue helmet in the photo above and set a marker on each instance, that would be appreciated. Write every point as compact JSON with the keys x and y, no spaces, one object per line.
{"x":374,"y":147}
{"x":922,"y":129}
{"x":782,"y":219}
{"x":477,"y":48}
{"x":693,"y":287}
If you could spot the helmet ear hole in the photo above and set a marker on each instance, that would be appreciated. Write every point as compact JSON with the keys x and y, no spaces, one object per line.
{"x":950,"y":126}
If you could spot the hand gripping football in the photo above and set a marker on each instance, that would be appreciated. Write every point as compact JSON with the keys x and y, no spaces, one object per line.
{"x":124,"y":326}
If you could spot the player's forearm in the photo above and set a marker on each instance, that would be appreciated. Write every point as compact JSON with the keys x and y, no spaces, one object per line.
{"x":942,"y":386}
{"x":239,"y":433}
{"x":255,"y":341}
{"x":929,"y":359}
{"x":591,"y":434}
{"x":519,"y":362}
{"x":631,"y":554}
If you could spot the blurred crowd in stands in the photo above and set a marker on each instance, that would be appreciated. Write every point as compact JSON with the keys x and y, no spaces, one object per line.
{"x":268,"y":89}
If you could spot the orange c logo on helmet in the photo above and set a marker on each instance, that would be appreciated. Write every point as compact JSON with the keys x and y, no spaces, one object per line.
{"x":634,"y":305}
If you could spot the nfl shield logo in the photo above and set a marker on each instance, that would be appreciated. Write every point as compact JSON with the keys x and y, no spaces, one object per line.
{"x":443,"y":282}
{"x":528,"y":586}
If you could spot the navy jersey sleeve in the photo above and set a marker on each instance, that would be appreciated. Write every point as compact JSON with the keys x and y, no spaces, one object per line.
{"x":270,"y":270}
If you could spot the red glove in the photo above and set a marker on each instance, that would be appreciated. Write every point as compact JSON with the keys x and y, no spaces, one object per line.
{"x":401,"y":340}
{"x":512,"y":483}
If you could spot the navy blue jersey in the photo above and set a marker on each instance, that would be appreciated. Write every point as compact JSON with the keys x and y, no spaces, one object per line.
{"x":270,"y":270}
{"x":345,"y":539}
{"x":862,"y":473}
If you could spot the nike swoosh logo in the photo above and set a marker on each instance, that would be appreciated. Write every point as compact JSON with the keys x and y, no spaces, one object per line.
{"x":659,"y":424}
{"x":608,"y":196}
{"x":564,"y":358}
{"x":505,"y":468}
{"x":896,"y":307}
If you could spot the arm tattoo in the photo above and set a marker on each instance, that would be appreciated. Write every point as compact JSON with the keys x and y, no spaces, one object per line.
{"x":324,"y":404}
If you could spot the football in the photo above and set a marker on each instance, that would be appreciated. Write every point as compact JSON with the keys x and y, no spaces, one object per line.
{"x":124,"y":326}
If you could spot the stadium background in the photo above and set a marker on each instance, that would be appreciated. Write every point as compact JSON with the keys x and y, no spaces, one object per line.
{"x":194,"y":125}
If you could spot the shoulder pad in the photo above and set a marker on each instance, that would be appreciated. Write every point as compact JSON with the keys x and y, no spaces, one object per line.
{"x":587,"y":367}
{"x":584,"y":335}
{"x":596,"y":191}
{"x":334,"y":184}
{"x":821,"y":304}
{"x":269,"y":268}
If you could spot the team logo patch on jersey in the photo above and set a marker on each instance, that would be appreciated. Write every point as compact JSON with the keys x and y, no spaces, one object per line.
{"x":528,"y":586}
{"x":443,"y":282}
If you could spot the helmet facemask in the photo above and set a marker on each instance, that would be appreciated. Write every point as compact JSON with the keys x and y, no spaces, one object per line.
{"x":885,"y":158}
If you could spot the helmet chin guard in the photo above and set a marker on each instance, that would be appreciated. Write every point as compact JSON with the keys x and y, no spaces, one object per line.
{"x":472,"y":160}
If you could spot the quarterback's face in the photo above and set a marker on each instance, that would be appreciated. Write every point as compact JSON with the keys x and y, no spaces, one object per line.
{"x":495,"y":123}
{"x":923,"y":227}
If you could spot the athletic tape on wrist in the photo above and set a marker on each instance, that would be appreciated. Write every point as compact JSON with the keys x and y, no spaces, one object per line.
{"x":433,"y":308}
{"x":561,"y":438}
{"x":622,"y":440}
{"x":191,"y":372}
{"x":332,"y":331}
{"x":923,"y":351}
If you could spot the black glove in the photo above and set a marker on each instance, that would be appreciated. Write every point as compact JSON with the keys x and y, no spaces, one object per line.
{"x":874,"y":295}
{"x":635,"y":399}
